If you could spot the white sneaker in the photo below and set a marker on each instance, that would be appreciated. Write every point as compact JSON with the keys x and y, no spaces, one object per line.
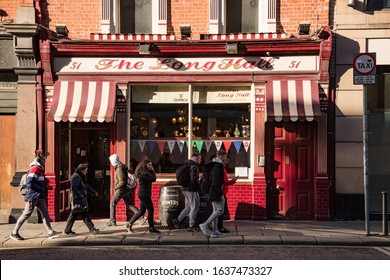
{"x":217,"y":234}
{"x":204,"y":229}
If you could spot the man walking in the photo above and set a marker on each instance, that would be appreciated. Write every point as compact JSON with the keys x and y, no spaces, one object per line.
{"x":120,"y":188}
{"x":191,"y":194}
{"x":216,"y":175}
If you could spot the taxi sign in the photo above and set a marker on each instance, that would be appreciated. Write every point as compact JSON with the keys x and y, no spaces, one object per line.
{"x":364,"y":68}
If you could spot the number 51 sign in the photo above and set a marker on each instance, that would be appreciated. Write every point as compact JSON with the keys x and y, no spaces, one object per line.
{"x":364,"y":68}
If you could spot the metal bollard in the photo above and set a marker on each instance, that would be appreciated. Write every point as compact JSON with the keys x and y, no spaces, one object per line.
{"x":385,"y":216}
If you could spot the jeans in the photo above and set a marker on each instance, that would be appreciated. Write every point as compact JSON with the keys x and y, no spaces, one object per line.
{"x":125,"y":195}
{"x":220,"y":218}
{"x":28,"y":209}
{"x":146,"y":204}
{"x":192,"y":207}
{"x":218,"y":208}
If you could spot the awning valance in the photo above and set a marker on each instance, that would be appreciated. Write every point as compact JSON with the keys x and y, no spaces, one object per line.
{"x":83,"y":101}
{"x":292,"y":100}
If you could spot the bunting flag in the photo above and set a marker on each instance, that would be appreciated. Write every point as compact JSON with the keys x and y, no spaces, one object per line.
{"x":227,"y":145}
{"x":133,"y":146}
{"x":152,"y":145}
{"x":141,"y":144}
{"x":218,"y":144}
{"x":246,"y":144}
{"x":161,"y":145}
{"x":199,"y":145}
{"x":180,"y":143}
{"x":208,"y":144}
{"x":237,"y":145}
{"x":171,"y":145}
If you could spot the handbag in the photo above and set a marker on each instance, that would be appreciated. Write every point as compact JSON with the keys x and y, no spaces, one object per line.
{"x":79,"y":204}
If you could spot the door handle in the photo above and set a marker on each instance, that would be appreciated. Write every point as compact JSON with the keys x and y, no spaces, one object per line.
{"x":287,"y":161}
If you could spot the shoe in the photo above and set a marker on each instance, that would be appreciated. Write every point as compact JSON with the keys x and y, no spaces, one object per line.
{"x":111,"y":224}
{"x":193,"y":229}
{"x":217,"y":234}
{"x":70,"y":233}
{"x":176,"y":223}
{"x":16,"y":237}
{"x":143,"y":220}
{"x":54,"y":234}
{"x":94,"y":231}
{"x":154,"y":230}
{"x":129,"y":227}
{"x":224,"y":230}
{"x":204,"y":229}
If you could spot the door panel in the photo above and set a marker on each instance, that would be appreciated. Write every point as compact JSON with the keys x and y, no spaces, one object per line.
{"x":293,"y":173}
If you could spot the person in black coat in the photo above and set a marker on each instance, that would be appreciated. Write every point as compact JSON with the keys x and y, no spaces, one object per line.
{"x":146,"y":176}
{"x":79,"y":202}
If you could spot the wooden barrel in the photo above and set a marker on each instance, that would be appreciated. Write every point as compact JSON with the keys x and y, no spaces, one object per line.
{"x":170,"y":204}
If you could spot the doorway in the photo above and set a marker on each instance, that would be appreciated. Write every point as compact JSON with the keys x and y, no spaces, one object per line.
{"x":290,"y":190}
{"x":87,"y":143}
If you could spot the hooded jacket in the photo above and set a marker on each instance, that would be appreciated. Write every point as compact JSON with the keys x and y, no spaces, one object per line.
{"x":121,"y":177}
{"x":36,"y":182}
{"x":216,"y":173}
{"x":193,"y":186}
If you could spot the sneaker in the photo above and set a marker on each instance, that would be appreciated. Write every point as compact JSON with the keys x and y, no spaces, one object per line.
{"x":217,"y":234}
{"x":16,"y":237}
{"x":111,"y":224}
{"x":154,"y":230}
{"x":224,"y":230}
{"x":70,"y":233}
{"x":129,"y":227}
{"x":204,"y":229}
{"x":176,"y":223}
{"x":54,"y":234}
{"x":143,"y":220}
{"x":94,"y":231}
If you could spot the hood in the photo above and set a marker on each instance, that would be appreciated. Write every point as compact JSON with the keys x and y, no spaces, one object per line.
{"x":36,"y":163}
{"x":114,"y":159}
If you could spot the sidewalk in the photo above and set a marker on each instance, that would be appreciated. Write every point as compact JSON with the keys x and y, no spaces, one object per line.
{"x":341,"y":233}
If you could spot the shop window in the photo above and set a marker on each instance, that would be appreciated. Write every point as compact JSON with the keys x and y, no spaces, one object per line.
{"x":160,"y":121}
{"x":135,"y":16}
{"x":373,"y":5}
{"x":64,"y":152}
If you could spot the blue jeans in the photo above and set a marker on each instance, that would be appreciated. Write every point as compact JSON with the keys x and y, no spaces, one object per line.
{"x":192,"y":207}
{"x":218,"y":208}
{"x":28,"y":209}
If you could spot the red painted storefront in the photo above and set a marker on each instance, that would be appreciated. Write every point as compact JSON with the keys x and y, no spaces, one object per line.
{"x":288,"y":174}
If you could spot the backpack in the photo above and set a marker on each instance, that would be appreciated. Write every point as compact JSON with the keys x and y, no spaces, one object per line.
{"x":183,"y":175}
{"x":22,"y":185}
{"x":131,"y":181}
{"x":205,"y":182}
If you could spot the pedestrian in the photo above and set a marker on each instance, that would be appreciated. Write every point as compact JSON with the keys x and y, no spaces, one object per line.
{"x":121,"y":191}
{"x":79,"y":202}
{"x":146,"y":176}
{"x":226,"y":184}
{"x":216,"y":175}
{"x":37,"y":184}
{"x":191,"y":194}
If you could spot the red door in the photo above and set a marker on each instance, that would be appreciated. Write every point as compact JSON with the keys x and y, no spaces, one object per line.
{"x":293,"y":170}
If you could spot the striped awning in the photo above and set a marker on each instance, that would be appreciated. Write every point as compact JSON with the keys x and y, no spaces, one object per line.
{"x":292,"y":100}
{"x":83,"y":101}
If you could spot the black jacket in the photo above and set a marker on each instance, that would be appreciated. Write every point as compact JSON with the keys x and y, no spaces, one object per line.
{"x":193,"y":186}
{"x":215,"y":170}
{"x":145,"y":181}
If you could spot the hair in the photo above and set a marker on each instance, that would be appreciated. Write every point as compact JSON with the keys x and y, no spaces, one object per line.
{"x":40,"y":155}
{"x":142,"y":167}
{"x":221,"y":153}
{"x":81,"y":167}
{"x":195,"y":155}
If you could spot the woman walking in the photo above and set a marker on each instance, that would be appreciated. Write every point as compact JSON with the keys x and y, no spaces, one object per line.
{"x":79,"y":203}
{"x":146,"y":176}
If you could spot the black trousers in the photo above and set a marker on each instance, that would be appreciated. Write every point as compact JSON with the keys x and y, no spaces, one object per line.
{"x":146,"y":204}
{"x":72,"y":218}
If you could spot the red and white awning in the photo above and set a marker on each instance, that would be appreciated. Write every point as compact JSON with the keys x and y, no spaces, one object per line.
{"x":292,"y":100}
{"x":83,"y":101}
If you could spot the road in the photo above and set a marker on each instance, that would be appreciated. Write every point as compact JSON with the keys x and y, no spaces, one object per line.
{"x":198,"y":253}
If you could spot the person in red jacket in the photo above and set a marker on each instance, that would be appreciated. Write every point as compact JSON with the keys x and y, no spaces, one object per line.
{"x":226,"y":183}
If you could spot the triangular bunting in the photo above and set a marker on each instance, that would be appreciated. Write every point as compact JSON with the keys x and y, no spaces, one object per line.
{"x":246,"y":144}
{"x":199,"y":145}
{"x":180,"y":143}
{"x":208,"y":144}
{"x":141,"y":144}
{"x":218,"y":144}
{"x":152,"y":145}
{"x":161,"y":145}
{"x":237,"y":145}
{"x":171,"y":145}
{"x":227,"y":145}
{"x":133,"y":146}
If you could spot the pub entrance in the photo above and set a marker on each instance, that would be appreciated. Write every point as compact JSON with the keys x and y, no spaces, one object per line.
{"x":83,"y":142}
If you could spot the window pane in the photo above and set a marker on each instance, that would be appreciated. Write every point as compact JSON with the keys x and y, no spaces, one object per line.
{"x":136,"y":16}
{"x":242,"y":16}
{"x":378,"y":4}
{"x":233,"y":16}
{"x":250,"y":10}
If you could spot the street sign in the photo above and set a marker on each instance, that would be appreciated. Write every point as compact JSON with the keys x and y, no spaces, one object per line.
{"x":364,"y":68}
